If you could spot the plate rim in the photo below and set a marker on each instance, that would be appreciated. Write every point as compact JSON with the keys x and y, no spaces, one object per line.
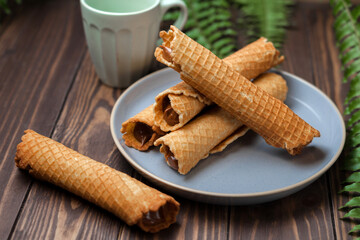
{"x":177,"y":187}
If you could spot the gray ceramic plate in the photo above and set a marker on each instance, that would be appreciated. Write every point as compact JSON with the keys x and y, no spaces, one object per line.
{"x":249,"y":171}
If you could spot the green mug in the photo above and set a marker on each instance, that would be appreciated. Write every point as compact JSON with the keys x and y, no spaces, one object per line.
{"x":121,"y":36}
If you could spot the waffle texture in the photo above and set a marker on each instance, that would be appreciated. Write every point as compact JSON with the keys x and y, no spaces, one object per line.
{"x":250,"y":61}
{"x":184,"y":100}
{"x":146,"y":116}
{"x":272,"y":83}
{"x":214,"y":130}
{"x":118,"y":193}
{"x":217,"y":80}
{"x":255,"y":58}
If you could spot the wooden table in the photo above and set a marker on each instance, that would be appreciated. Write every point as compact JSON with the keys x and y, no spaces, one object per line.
{"x":48,"y":83}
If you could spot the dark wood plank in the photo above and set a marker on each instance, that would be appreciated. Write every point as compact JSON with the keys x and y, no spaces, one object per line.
{"x":303,"y":215}
{"x":40,"y":51}
{"x":328,"y":75}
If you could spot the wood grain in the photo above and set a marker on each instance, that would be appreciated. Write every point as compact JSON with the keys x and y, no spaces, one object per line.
{"x":39,"y":55}
{"x":328,"y":73}
{"x":304,"y":215}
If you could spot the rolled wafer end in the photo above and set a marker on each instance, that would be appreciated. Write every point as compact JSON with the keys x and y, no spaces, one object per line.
{"x":297,"y":150}
{"x":183,"y":103}
{"x":125,"y":197}
{"x":140,"y":131}
{"x":163,"y":53}
{"x":160,"y":218}
{"x":139,"y":135}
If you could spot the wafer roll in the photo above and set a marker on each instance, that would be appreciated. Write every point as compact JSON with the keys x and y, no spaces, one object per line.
{"x":255,"y":58}
{"x":218,"y":81}
{"x":176,"y":106}
{"x":212,"y":131}
{"x":139,"y":131}
{"x":118,"y":193}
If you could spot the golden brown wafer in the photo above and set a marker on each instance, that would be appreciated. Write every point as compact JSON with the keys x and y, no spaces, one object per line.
{"x":139,"y":131}
{"x":183,"y":101}
{"x":118,"y":193}
{"x":217,"y":80}
{"x":176,"y":106}
{"x":212,"y":131}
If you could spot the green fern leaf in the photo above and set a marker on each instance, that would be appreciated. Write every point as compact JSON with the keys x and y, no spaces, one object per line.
{"x":355,"y":229}
{"x":351,"y":54}
{"x":354,"y":213}
{"x":353,"y":141}
{"x":353,"y":188}
{"x":4,"y":6}
{"x":354,"y":89}
{"x":355,"y":117}
{"x":209,"y":22}
{"x":211,"y":26}
{"x":265,"y":18}
{"x":351,"y":165}
{"x":347,"y":33}
{"x":353,"y":178}
{"x":353,"y":105}
{"x":353,"y":132}
{"x":354,"y":202}
{"x":353,"y":68}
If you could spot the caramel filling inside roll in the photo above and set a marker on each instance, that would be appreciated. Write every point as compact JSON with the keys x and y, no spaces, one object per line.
{"x":166,"y":53}
{"x":170,"y":159}
{"x":170,"y":116}
{"x":162,"y":217}
{"x":142,"y":132}
{"x":152,"y":218}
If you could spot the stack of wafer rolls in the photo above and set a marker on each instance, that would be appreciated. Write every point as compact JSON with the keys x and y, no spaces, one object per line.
{"x":118,"y":193}
{"x":218,"y":81}
{"x":212,"y":131}
{"x":177,"y":105}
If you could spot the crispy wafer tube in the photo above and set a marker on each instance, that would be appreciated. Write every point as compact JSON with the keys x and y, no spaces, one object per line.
{"x":218,"y":81}
{"x":139,"y":131}
{"x":177,"y":105}
{"x":212,"y":131}
{"x":118,"y":193}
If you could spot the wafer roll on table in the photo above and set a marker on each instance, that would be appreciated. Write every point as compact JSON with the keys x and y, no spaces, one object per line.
{"x":118,"y":193}
{"x":176,"y":106}
{"x":140,"y":131}
{"x":218,"y":81}
{"x":212,"y":131}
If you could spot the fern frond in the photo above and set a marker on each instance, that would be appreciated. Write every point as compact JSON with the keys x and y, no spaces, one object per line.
{"x":209,"y":23}
{"x":4,"y":7}
{"x":347,"y":33}
{"x":263,"y":18}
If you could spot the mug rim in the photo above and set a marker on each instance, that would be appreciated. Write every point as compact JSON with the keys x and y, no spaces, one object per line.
{"x":85,"y":4}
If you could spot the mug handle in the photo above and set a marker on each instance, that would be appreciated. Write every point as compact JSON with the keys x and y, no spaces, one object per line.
{"x":167,"y":4}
